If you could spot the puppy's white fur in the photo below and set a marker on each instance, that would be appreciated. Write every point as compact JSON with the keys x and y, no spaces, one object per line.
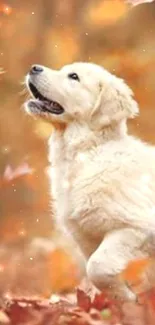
{"x":102,"y":179}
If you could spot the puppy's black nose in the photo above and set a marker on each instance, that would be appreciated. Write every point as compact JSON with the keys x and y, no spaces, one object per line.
{"x":36,"y":69}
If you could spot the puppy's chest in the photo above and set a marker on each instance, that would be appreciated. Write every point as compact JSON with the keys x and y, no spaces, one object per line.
{"x":62,"y":173}
{"x":82,"y":188}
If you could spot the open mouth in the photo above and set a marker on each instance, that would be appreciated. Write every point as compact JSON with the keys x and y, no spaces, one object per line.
{"x":44,"y":104}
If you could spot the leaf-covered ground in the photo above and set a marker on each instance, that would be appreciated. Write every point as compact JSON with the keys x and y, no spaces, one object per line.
{"x":78,"y":309}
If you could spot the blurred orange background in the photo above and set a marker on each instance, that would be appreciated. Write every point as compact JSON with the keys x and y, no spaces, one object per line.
{"x":111,"y":33}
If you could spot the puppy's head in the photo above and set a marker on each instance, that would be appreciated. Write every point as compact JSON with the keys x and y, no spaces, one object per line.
{"x":82,"y":92}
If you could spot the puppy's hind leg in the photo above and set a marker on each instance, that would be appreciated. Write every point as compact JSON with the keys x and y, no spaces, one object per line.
{"x":112,"y":257}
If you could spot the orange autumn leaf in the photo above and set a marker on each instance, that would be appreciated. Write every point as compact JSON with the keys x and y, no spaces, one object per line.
{"x":135,"y":269}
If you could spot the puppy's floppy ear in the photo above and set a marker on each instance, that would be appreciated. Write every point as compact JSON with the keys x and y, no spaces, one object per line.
{"x":114,"y":103}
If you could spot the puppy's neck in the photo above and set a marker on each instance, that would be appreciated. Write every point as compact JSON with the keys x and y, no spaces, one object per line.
{"x":79,"y":137}
{"x":114,"y":131}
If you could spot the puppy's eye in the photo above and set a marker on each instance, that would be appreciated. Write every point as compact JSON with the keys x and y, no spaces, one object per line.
{"x":73,"y":76}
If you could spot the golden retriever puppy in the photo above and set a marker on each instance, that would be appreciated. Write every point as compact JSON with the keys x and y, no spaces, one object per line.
{"x":102,"y":179}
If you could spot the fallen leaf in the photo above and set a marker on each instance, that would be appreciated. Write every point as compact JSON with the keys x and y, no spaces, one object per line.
{"x":83,"y":300}
{"x":133,"y":314}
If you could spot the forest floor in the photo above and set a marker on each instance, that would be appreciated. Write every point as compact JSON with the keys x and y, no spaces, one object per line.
{"x":80,"y":308}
